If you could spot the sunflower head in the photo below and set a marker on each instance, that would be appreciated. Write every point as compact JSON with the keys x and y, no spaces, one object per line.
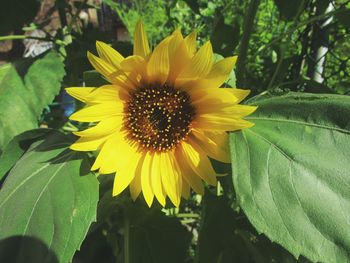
{"x":162,"y":116}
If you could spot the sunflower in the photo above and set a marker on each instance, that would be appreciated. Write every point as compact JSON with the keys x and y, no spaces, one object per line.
{"x":161,"y":118}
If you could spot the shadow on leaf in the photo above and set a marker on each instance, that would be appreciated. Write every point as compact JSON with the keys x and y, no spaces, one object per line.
{"x":25,"y":249}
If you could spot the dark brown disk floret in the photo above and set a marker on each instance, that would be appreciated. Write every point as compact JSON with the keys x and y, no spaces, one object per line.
{"x":158,"y":117}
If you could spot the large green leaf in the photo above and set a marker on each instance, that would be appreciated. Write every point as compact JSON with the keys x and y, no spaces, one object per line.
{"x":225,"y":236}
{"x":17,"y":249}
{"x":17,"y":146}
{"x":51,"y":195}
{"x":291,"y":173}
{"x":22,"y":103}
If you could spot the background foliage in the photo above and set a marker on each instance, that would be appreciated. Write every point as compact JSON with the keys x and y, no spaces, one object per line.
{"x":286,"y":197}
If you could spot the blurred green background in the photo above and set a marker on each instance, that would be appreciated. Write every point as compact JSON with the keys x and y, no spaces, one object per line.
{"x":282,"y":45}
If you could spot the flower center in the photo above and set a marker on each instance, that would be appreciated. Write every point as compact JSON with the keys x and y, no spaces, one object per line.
{"x":158,"y":117}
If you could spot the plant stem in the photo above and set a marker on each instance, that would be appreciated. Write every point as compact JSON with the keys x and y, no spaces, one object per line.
{"x":126,"y":238}
{"x":14,"y":37}
{"x":243,"y":48}
{"x":277,"y":70}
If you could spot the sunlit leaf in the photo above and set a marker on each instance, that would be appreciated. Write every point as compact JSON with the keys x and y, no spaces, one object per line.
{"x":51,"y":195}
{"x":17,"y":146}
{"x":21,"y":103}
{"x":291,"y":173}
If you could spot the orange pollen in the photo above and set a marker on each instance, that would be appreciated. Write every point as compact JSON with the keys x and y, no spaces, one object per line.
{"x":158,"y":117}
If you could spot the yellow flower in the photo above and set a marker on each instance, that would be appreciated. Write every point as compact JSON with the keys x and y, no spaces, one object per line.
{"x":161,"y":117}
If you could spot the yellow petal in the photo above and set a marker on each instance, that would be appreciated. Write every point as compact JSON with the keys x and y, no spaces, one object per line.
{"x":220,"y":123}
{"x":171,"y":178}
{"x":175,"y":41}
{"x":232,"y":111}
{"x":106,"y":93}
{"x":240,"y":94}
{"x":125,"y":80}
{"x":224,"y":95}
{"x":107,"y":160}
{"x":133,"y":63}
{"x":223,"y":109}
{"x":80,"y":93}
{"x":136,"y":67}
{"x":200,"y":65}
{"x":126,"y":174}
{"x":141,"y":47}
{"x":208,"y":97}
{"x":146,"y":172}
{"x":211,"y":146}
{"x":198,"y":161}
{"x":100,"y":65}
{"x":88,"y":144}
{"x":179,"y":57}
{"x":104,"y":127}
{"x":156,"y":179}
{"x":98,"y":112}
{"x":188,"y":173}
{"x":190,"y":41}
{"x":221,"y":70}
{"x":135,"y":185}
{"x":109,"y":54}
{"x":218,"y":74}
{"x":158,"y":64}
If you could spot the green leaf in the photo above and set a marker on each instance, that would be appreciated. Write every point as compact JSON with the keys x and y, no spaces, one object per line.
{"x":343,"y":87}
{"x":291,"y":174}
{"x":287,"y":10}
{"x":224,"y":37}
{"x":343,"y":17}
{"x":22,"y":103}
{"x":25,"y":249}
{"x":15,"y":13}
{"x":51,"y":195}
{"x":225,"y":236}
{"x":17,"y":146}
{"x":194,"y":5}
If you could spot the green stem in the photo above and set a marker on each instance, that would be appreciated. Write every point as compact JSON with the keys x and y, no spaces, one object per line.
{"x":278,"y":67}
{"x":14,"y":37}
{"x":243,"y":48}
{"x":126,"y":238}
